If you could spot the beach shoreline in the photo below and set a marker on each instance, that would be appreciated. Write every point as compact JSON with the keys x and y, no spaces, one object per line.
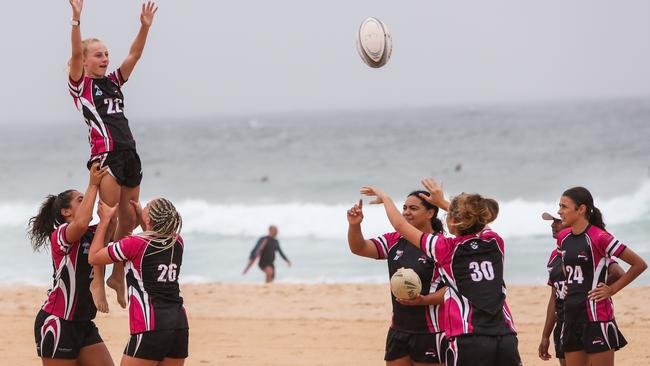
{"x":294,"y":324}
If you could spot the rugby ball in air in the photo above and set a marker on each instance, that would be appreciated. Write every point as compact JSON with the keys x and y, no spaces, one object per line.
{"x":374,"y":43}
{"x":405,"y":284}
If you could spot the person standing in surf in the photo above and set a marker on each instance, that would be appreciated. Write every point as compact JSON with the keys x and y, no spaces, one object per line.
{"x":416,"y":334}
{"x":97,"y":94}
{"x":265,"y":249}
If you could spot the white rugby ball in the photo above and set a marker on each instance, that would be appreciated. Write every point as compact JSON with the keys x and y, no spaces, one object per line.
{"x":374,"y":42}
{"x":405,"y":284}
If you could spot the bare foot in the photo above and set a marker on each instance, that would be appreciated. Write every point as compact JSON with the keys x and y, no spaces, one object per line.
{"x":119,"y":287}
{"x":98,"y":292}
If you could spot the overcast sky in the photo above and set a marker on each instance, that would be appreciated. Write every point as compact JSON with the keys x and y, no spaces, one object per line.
{"x":206,"y":58}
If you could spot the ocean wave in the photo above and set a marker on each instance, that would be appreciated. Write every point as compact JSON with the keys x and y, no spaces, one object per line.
{"x":517,"y":218}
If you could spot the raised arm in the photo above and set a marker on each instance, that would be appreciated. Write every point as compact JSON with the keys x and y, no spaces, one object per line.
{"x":146,"y":19}
{"x":79,"y":225}
{"x":436,"y":195}
{"x":98,"y":254}
{"x":396,"y":219}
{"x":76,"y":59}
{"x":358,"y":245}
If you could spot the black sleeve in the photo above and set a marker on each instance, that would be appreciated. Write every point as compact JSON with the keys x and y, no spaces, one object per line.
{"x":277,"y":246}
{"x":254,"y":251}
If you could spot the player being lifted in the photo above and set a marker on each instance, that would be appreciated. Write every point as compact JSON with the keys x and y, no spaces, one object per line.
{"x":98,"y":96}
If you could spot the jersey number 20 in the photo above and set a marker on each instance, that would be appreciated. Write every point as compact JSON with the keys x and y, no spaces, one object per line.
{"x":167,"y":273}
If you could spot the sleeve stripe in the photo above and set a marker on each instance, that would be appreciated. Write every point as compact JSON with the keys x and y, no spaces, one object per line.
{"x":381,"y":244}
{"x":428,"y":244}
{"x":380,"y":251}
{"x":117,"y":251}
{"x":110,"y":254}
{"x":612,"y":247}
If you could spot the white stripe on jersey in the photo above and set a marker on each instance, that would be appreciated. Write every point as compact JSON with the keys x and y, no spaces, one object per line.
{"x":60,"y":238}
{"x":430,"y":246}
{"x":384,"y":245}
{"x":612,"y":247}
{"x":100,"y":123}
{"x":118,"y":251}
{"x":55,"y":332}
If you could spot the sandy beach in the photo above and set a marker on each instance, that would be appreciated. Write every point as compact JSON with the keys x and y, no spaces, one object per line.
{"x":282,"y":324}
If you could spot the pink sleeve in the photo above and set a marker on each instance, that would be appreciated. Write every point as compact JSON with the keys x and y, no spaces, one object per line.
{"x":436,"y":246}
{"x":76,"y":87}
{"x":116,"y":77}
{"x":125,"y":249}
{"x":384,"y":243}
{"x":609,"y":245}
{"x":59,"y":242}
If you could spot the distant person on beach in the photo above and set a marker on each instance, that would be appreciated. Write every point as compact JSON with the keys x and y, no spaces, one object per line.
{"x":590,"y":334}
{"x":99,"y":98}
{"x":416,"y":335}
{"x":265,"y":250}
{"x":555,"y":310}
{"x":478,"y":323}
{"x":157,"y":318}
{"x":64,"y":330}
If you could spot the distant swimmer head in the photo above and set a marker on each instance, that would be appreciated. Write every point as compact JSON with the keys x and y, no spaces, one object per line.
{"x":420,"y":213}
{"x":160,"y":217}
{"x":54,"y":211}
{"x":95,"y":57}
{"x":577,"y":204}
{"x":469,"y":213}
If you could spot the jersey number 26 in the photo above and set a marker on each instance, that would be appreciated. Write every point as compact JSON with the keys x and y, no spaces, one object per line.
{"x":167,"y":273}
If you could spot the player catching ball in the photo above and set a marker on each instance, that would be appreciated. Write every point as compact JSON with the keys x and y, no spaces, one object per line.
{"x":478,"y":323}
{"x":98,"y":96}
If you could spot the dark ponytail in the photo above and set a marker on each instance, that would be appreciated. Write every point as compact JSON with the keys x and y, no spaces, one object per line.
{"x":436,"y":224}
{"x":582,"y":196}
{"x":41,"y":226}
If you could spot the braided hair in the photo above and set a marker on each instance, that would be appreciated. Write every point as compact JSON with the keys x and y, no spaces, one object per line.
{"x":166,"y":222}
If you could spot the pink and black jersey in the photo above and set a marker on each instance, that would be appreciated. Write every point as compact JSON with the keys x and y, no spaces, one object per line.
{"x":557,"y":280}
{"x":101,"y":103}
{"x":472,"y":268}
{"x":70,"y":298}
{"x":400,"y":253}
{"x":153,"y":267}
{"x":586,"y":258}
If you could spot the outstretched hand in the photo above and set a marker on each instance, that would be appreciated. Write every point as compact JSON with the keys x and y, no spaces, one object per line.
{"x":97,"y":174}
{"x":148,"y":11}
{"x":436,"y":192}
{"x":355,"y":214}
{"x":106,"y":212}
{"x":376,"y":192}
{"x":77,"y":6}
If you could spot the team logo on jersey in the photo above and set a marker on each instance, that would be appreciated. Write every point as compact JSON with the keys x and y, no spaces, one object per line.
{"x":422,"y":259}
{"x":474,"y":245}
{"x":599,"y":341}
{"x":431,"y":352}
{"x":98,"y":92}
{"x":86,"y":247}
{"x":583,"y":255}
{"x":398,"y":254}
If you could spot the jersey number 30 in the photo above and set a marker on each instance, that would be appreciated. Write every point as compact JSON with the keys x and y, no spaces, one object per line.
{"x":167,"y":273}
{"x":481,"y":271}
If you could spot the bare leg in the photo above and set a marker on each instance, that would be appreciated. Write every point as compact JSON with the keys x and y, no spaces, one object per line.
{"x":578,"y":358}
{"x":132,"y":361}
{"x":109,"y":192}
{"x":602,"y":358}
{"x":58,"y":362}
{"x":562,"y":362}
{"x":404,"y":361}
{"x":270,"y":274}
{"x":427,"y":364}
{"x":172,"y":362}
{"x":95,"y":355}
{"x":125,"y":224}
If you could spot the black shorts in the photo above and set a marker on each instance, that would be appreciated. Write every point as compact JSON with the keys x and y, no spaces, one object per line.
{"x":557,"y":333}
{"x":123,"y":165}
{"x":477,"y":350}
{"x":421,"y":348}
{"x":59,"y":338}
{"x":592,"y":337}
{"x":158,"y":345}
